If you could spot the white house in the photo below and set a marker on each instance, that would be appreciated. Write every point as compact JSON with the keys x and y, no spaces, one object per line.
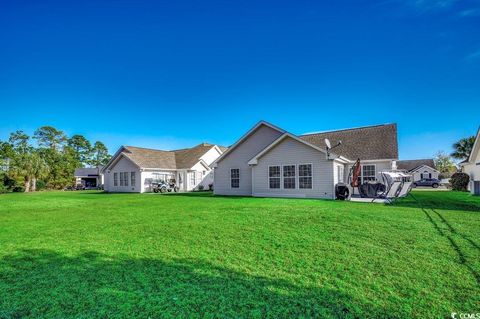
{"x":133,"y":169}
{"x":419,"y":169}
{"x":268,"y":161}
{"x":471,"y":166}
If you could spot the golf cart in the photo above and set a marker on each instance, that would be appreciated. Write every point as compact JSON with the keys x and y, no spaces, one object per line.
{"x":164,"y":187}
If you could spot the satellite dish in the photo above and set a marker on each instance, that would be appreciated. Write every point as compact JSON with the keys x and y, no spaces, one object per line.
{"x":327,"y":142}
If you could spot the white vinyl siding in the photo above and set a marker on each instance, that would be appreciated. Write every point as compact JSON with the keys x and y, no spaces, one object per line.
{"x":118,"y":177}
{"x":290,"y":152}
{"x":238,"y":158}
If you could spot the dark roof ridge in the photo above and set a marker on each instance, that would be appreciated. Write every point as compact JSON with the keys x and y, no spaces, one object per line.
{"x":349,"y":129}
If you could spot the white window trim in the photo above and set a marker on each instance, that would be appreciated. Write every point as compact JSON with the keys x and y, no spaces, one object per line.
{"x":230,"y":178}
{"x":361,"y":172}
{"x":281,"y":177}
{"x":298,"y":175}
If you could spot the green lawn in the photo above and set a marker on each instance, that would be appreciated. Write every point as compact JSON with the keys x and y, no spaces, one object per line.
{"x":89,"y":254}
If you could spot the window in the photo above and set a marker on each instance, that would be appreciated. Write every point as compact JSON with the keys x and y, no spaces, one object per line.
{"x":368,"y":173}
{"x":132,"y":178}
{"x":121,"y":178}
{"x":193,"y":180}
{"x":115,"y":179}
{"x":274,"y":176}
{"x":426,"y":174}
{"x":340,"y":173}
{"x":289,"y":176}
{"x":304,"y":176}
{"x":125,"y":178}
{"x":235,"y":178}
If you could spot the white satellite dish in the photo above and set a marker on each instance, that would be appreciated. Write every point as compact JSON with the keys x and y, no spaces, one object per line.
{"x":327,"y":142}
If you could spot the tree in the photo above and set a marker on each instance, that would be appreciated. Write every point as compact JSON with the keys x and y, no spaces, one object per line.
{"x":463,"y":148}
{"x":81,"y":147}
{"x":50,"y":137}
{"x":444,"y":164}
{"x":36,"y":168}
{"x":100,"y":154}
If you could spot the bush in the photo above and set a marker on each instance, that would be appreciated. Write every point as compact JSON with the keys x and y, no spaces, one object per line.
{"x":18,"y":189}
{"x":459,"y":181}
{"x":41,"y":185}
{"x":201,"y":187}
{"x":3,"y":188}
{"x":210,"y":187}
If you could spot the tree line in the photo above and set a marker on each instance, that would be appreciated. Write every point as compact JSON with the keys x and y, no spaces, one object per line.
{"x":47,"y":159}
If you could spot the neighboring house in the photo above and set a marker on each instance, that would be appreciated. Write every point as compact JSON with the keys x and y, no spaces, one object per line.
{"x":89,"y":177}
{"x":471,"y":166}
{"x":419,"y":169}
{"x":270,"y":162}
{"x":134,"y":169}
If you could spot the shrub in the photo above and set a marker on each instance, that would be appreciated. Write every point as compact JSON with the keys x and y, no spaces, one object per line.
{"x":210,"y":187}
{"x":41,"y":185}
{"x":201,"y":187}
{"x":459,"y":181}
{"x":18,"y":189}
{"x":3,"y":188}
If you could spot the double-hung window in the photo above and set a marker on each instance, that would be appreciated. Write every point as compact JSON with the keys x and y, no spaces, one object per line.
{"x":368,"y":173}
{"x":115,"y":179}
{"x":193,"y":180}
{"x":305,"y":176}
{"x":235,"y":178}
{"x":274,"y":176}
{"x":121,"y":179}
{"x":125,"y":178}
{"x":289,"y":177}
{"x":132,"y":178}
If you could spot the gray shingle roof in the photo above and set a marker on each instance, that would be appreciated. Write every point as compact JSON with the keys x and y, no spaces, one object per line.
{"x":177,"y":159}
{"x":366,"y":143}
{"x":410,"y":165}
{"x":87,"y":171}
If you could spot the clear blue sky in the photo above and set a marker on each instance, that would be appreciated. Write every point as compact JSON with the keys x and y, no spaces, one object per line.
{"x":169,"y":74}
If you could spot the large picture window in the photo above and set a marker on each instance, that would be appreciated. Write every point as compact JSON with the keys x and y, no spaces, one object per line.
{"x":235,"y":178}
{"x":274,"y":176}
{"x":305,"y":176}
{"x":289,"y":177}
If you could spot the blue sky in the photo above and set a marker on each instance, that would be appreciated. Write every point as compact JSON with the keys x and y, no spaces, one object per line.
{"x":170,"y":74}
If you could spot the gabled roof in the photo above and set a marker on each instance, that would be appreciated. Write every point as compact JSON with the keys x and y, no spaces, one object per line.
{"x":254,"y":160}
{"x":160,"y":159}
{"x":150,"y":158}
{"x":366,"y":143}
{"x":411,"y":165}
{"x":245,"y":136}
{"x":186,"y":158}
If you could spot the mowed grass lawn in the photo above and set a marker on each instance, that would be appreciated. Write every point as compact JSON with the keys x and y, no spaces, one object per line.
{"x":89,"y":254}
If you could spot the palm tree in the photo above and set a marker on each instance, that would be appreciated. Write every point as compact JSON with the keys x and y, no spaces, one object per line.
{"x":30,"y":166}
{"x":38,"y":169}
{"x":463,"y":148}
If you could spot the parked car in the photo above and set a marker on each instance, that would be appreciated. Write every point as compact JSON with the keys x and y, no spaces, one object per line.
{"x":431,"y":182}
